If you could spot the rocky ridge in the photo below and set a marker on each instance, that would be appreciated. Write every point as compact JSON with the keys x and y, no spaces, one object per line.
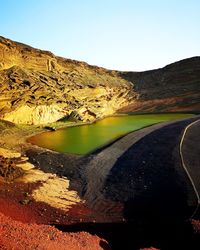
{"x":37,"y":87}
{"x":174,"y":88}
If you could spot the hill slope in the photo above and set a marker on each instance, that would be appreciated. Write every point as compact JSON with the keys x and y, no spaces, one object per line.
{"x":175,"y":87}
{"x":38,"y":87}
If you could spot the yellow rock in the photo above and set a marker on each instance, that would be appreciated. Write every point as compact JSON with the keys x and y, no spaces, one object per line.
{"x":7,"y":153}
{"x":53,"y":189}
{"x":38,"y":88}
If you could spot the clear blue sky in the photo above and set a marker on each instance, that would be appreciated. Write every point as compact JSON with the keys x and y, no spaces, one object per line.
{"x":116,"y":34}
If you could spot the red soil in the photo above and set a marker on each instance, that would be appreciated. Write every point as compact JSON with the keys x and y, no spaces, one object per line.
{"x":14,"y":195}
{"x":19,"y":214}
{"x":17,"y":235}
{"x":18,"y":228}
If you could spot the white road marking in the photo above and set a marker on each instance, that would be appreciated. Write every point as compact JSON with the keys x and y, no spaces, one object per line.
{"x":185,"y":168}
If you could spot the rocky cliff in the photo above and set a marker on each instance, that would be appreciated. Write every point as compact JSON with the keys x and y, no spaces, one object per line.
{"x":37,"y":87}
{"x":174,"y":88}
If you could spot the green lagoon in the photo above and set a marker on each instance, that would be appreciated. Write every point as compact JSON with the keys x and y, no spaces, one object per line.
{"x":84,"y":139}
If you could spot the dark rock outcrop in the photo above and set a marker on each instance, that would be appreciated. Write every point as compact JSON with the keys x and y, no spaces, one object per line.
{"x":174,"y":88}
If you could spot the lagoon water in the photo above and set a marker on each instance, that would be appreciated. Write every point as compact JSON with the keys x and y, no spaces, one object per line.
{"x":84,"y":139}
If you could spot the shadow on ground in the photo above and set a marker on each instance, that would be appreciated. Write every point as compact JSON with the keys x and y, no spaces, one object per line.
{"x":132,"y":236}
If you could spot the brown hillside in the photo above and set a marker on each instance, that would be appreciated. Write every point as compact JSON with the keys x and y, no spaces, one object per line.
{"x":38,"y":87}
{"x":175,"y":87}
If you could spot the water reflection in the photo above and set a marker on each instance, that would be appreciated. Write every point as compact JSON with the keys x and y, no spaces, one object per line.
{"x":86,"y":138}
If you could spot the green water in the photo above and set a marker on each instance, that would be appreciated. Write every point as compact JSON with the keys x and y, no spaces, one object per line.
{"x":86,"y":138}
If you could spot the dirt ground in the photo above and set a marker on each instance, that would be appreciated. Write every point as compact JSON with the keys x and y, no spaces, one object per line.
{"x":17,"y":236}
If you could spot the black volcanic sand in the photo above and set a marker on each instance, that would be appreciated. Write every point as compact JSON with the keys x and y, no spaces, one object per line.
{"x":140,"y":178}
{"x":142,"y":171}
{"x":149,"y":178}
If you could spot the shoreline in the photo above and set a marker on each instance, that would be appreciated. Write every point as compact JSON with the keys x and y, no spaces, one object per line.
{"x":106,"y":143}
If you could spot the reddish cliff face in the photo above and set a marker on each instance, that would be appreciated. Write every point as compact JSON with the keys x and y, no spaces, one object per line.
{"x":173,"y":88}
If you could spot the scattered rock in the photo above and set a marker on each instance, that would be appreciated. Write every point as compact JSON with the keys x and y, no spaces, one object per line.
{"x":50,"y":128}
{"x":8,"y":169}
{"x":25,"y":201}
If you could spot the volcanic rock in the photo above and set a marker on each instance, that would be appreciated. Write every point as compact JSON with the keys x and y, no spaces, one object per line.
{"x":38,"y":87}
{"x":174,"y":88}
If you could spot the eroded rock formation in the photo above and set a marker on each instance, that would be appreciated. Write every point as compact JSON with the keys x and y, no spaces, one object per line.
{"x":37,"y":87}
